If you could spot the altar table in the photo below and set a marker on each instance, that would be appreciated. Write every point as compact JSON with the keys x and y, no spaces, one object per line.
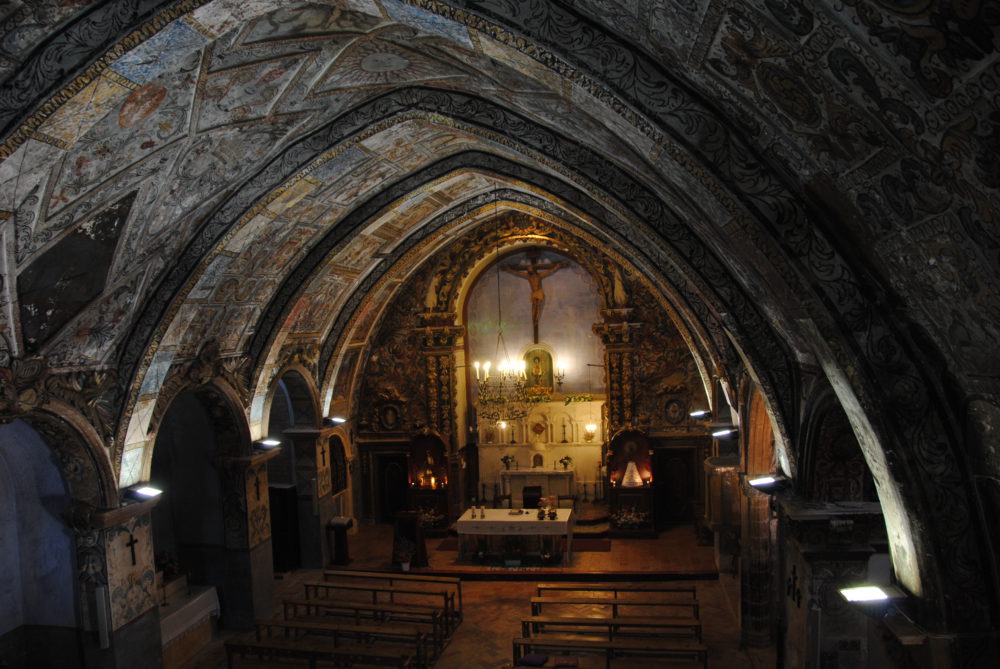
{"x":500,"y":522}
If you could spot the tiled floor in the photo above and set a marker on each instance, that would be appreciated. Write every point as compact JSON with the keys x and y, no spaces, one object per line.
{"x":496,"y":598}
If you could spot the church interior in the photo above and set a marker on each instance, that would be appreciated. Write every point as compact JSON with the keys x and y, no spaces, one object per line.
{"x":288,"y":288}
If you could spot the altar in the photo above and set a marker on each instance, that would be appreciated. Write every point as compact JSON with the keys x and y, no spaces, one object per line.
{"x":501,"y":522}
{"x":552,"y":481}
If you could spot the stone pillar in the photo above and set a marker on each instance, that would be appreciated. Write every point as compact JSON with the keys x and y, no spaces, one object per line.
{"x":722,"y":509}
{"x":620,"y":340}
{"x":248,"y":581}
{"x":827,"y":547}
{"x":314,"y":485}
{"x":119,"y":611}
{"x":758,"y":563}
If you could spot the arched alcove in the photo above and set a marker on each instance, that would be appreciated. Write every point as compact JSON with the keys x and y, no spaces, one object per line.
{"x":188,"y":523}
{"x":200,"y":525}
{"x":292,"y":405}
{"x":835,"y":469}
{"x":38,"y":590}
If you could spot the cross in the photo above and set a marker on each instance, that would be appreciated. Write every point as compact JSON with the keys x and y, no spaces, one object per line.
{"x":534,"y":271}
{"x":256,"y":486}
{"x":132,"y":541}
{"x":322,"y":454}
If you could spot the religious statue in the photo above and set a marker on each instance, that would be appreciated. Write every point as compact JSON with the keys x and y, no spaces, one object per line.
{"x":534,"y":271}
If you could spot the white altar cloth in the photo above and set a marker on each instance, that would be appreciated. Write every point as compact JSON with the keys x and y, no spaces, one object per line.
{"x":502,"y":522}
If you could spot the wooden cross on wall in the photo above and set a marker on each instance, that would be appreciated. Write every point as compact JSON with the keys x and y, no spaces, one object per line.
{"x":132,"y":541}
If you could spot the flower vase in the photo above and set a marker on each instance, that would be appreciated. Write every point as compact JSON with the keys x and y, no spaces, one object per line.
{"x":552,"y":514}
{"x":541,"y":514}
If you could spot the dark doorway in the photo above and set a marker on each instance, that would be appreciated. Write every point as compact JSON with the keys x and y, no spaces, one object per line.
{"x":392,"y":485}
{"x":677,"y":493}
{"x":188,"y":525}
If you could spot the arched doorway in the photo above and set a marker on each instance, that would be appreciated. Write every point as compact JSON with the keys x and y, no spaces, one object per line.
{"x":203,"y":526}
{"x":292,"y":407}
{"x":38,"y":585}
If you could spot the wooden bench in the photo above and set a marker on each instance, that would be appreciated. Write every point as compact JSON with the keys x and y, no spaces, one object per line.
{"x":616,"y":588}
{"x":538,"y":602}
{"x":359,"y":611}
{"x":413,"y":638}
{"x":445,"y":598}
{"x":313,"y":650}
{"x":614,"y":627}
{"x":663,"y":649}
{"x":393,"y":579}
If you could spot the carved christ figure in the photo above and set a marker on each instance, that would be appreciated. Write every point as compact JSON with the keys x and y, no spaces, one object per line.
{"x":534,"y":272}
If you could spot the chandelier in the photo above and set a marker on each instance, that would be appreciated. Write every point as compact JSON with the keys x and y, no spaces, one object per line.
{"x":501,"y":396}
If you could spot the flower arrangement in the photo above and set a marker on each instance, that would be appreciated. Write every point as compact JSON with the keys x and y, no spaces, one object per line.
{"x":507,"y":459}
{"x":429,"y":517}
{"x":629,"y":518}
{"x":403,"y":550}
{"x":565,"y":461}
{"x":543,"y":502}
{"x":582,"y":397}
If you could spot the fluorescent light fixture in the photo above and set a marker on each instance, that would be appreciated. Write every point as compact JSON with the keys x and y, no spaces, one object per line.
{"x":864,"y":593}
{"x":763,"y":480}
{"x":701,"y":413}
{"x":269,"y":443}
{"x":147,"y":491}
{"x":724,"y":433}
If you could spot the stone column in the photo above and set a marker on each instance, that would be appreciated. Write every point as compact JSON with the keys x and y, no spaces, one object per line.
{"x":314,"y":485}
{"x":827,"y":547}
{"x":119,"y":611}
{"x":722,"y":509}
{"x":248,"y":581}
{"x":758,"y":563}
{"x":620,"y":340}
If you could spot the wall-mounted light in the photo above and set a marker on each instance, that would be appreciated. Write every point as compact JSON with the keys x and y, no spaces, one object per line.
{"x":334,"y":420}
{"x":142,"y":491}
{"x":702,"y":414}
{"x":761,"y":481}
{"x":874,"y":599}
{"x":725,"y":432}
{"x":268,"y":444}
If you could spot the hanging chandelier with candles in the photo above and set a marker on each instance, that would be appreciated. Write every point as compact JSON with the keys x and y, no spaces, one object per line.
{"x":501,"y":395}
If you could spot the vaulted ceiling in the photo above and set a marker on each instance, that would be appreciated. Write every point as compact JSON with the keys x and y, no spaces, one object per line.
{"x":810,"y":185}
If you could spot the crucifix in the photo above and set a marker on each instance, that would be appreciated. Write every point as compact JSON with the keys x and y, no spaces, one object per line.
{"x":256,"y":486}
{"x":534,"y":271}
{"x":132,"y":541}
{"x":322,"y":455}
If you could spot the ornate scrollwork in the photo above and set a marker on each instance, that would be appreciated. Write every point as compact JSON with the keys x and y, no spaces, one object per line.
{"x":22,"y":389}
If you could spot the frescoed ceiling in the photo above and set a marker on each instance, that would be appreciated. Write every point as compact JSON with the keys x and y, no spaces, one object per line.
{"x":809,"y":184}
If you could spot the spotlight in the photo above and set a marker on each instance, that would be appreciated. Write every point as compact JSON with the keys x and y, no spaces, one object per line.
{"x":334,"y":420}
{"x":762,"y":481}
{"x":142,"y":492}
{"x":703,"y":414}
{"x":269,"y":443}
{"x":769,"y":484}
{"x":725,"y":432}
{"x":879,"y":601}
